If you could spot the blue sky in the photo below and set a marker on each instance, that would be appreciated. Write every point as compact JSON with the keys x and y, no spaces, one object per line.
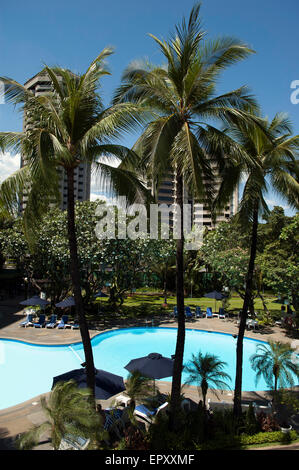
{"x":71,"y":33}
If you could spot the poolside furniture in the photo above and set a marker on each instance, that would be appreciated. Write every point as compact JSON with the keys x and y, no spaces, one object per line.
{"x":175,"y":311}
{"x":198,"y":312}
{"x":188,"y":313}
{"x":75,"y":325}
{"x":122,"y":400}
{"x":41,"y":321}
{"x":106,"y":384}
{"x":116,"y":421}
{"x":209,"y":313}
{"x":112,"y":414}
{"x":73,"y":443}
{"x":252,"y":324}
{"x":63,"y":322}
{"x":52,"y":322}
{"x":28,"y":321}
{"x":222,"y":313}
{"x":149,"y":415}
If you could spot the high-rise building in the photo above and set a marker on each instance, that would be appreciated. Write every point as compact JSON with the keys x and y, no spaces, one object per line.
{"x":40,"y":84}
{"x":200,"y":211}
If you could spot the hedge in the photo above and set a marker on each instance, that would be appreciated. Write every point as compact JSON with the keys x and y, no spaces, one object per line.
{"x":235,"y":442}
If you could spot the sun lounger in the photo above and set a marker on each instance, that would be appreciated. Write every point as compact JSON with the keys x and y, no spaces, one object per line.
{"x":52,"y":322}
{"x":73,"y":443}
{"x":41,"y":321}
{"x":209,"y":313}
{"x":198,"y":312}
{"x":63,"y":322}
{"x":188,"y":313}
{"x":148,"y":415}
{"x":175,"y":311}
{"x":75,"y":326}
{"x":28,"y":321}
{"x":222,"y":313}
{"x":252,"y":324}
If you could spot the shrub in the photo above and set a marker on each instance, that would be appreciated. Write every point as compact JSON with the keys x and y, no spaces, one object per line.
{"x":268,"y":437}
{"x":267,"y":423}
{"x":234,"y":442}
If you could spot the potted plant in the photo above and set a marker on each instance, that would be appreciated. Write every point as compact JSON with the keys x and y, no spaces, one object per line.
{"x":285,"y":427}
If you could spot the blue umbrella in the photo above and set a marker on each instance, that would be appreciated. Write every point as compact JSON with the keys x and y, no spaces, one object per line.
{"x":69,"y":302}
{"x":101,"y":294}
{"x":106,"y":384}
{"x":214,"y":295}
{"x":35,"y":300}
{"x":154,"y":366}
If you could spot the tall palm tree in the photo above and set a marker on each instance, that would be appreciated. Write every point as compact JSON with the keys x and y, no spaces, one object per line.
{"x":181,"y":137}
{"x":275,"y":361}
{"x":68,"y":411}
{"x":64,"y":128}
{"x":275,"y":151}
{"x":207,"y":371}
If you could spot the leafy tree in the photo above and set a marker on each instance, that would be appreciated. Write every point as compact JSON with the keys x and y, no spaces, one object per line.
{"x":68,"y":411}
{"x":280,"y":262}
{"x":207,"y":371}
{"x":180,"y":138}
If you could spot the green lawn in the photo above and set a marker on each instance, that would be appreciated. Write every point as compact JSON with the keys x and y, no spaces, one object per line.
{"x":155,"y":301}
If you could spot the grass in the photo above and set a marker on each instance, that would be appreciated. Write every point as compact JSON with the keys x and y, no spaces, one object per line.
{"x":155,"y":301}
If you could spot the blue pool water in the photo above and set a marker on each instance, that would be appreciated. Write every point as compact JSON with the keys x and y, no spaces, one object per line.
{"x":27,"y":370}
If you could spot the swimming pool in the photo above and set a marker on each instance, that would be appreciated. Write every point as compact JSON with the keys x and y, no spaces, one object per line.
{"x":27,"y":370}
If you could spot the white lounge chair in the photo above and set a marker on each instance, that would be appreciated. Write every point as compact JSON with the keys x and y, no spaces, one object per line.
{"x":73,"y":443}
{"x":28,"y":321}
{"x":148,"y":415}
{"x":52,"y":322}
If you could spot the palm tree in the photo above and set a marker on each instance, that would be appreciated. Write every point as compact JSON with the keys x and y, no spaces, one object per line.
{"x":64,"y":128}
{"x":138,"y":388}
{"x":275,"y":360}
{"x":207,"y":371}
{"x":274,"y":149}
{"x":68,"y":411}
{"x":180,"y":137}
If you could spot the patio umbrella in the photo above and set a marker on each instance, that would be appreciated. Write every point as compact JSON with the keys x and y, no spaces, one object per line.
{"x":154,"y":366}
{"x":101,"y":294}
{"x":106,"y":384}
{"x":35,"y":300}
{"x":214,"y":295}
{"x":69,"y":302}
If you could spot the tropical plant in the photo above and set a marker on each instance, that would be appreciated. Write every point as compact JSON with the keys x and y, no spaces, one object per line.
{"x":277,"y":363}
{"x":181,"y":138}
{"x":64,"y":128}
{"x":207,"y":371}
{"x":138,"y":388}
{"x":272,"y":146}
{"x":68,"y":411}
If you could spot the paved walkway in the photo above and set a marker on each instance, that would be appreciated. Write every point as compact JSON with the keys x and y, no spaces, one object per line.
{"x":20,"y":418}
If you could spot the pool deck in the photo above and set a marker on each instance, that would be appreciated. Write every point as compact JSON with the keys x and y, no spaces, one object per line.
{"x":20,"y":418}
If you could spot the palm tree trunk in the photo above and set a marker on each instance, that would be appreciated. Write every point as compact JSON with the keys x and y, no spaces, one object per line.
{"x":246,"y":304}
{"x":180,"y":343}
{"x":75,"y":276}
